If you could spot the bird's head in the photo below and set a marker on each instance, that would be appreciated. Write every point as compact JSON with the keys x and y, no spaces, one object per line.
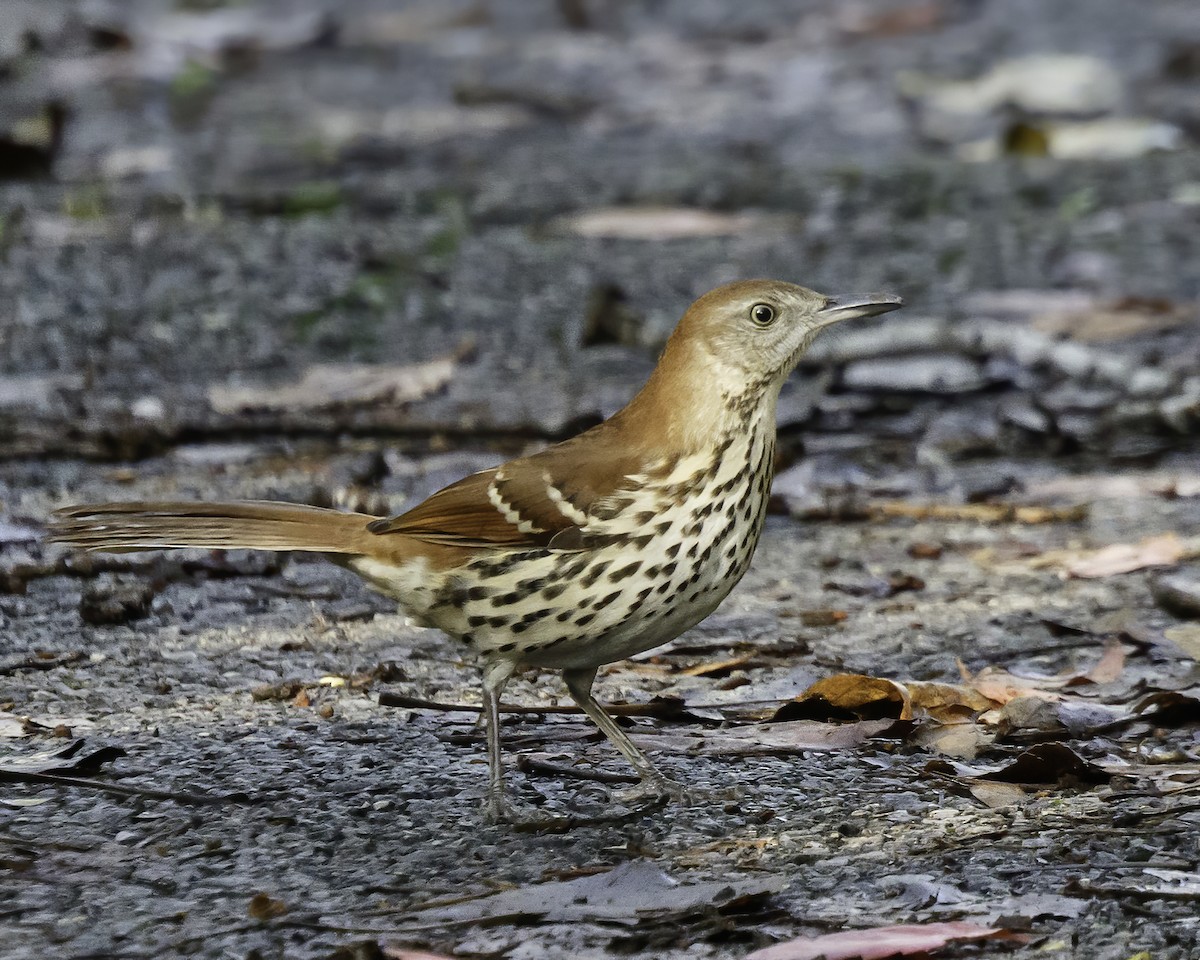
{"x":755,"y":331}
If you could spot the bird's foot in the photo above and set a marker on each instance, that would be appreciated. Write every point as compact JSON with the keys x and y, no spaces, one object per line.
{"x":665,"y":790}
{"x":629,"y":805}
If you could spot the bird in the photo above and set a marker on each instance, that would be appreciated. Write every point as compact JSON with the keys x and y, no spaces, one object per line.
{"x":596,"y":548}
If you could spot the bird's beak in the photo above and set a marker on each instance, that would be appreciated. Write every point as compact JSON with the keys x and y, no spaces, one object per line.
{"x":854,"y":305}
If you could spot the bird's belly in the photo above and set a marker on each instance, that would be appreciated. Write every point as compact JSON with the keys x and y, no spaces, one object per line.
{"x":586,"y":608}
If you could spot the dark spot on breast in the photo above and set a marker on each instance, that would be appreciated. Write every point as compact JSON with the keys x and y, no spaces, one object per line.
{"x":497,"y":622}
{"x":669,"y":569}
{"x":476,"y":621}
{"x":663,"y":587}
{"x":641,"y":541}
{"x":663,"y":527}
{"x":506,"y":647}
{"x":585,"y":619}
{"x":575,"y":569}
{"x":553,"y":590}
{"x":645,"y":516}
{"x":595,"y":573}
{"x":520,"y":627}
{"x":605,"y":601}
{"x":673,"y":550}
{"x":530,"y":585}
{"x":479,"y":593}
{"x":468,"y":638}
{"x":535,"y":615}
{"x":626,"y":571}
{"x":564,"y":616}
{"x":644,"y":594}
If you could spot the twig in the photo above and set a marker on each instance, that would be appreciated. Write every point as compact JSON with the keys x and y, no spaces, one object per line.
{"x":531,"y":765}
{"x":196,"y":799}
{"x":38,"y":662}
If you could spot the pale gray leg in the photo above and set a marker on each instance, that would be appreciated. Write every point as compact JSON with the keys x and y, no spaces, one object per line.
{"x":496,"y":674}
{"x":579,"y":686}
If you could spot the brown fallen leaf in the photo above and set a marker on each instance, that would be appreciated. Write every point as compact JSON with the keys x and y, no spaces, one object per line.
{"x":947,"y":702}
{"x":1128,"y":317}
{"x":1107,"y":669}
{"x":1163,"y":550}
{"x":1001,"y":686}
{"x":264,"y":907}
{"x":329,"y":385}
{"x":849,"y":695}
{"x":996,"y":795}
{"x":719,"y":668}
{"x":963,"y":741}
{"x":918,"y":17}
{"x":877,"y":943}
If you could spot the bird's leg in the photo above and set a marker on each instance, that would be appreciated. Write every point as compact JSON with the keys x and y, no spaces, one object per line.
{"x":495,"y":675}
{"x":654,"y":784}
{"x":496,"y":807}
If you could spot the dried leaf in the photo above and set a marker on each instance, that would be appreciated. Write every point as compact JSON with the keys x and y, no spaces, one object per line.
{"x":719,"y":668}
{"x":1116,"y":321}
{"x":331,"y":385}
{"x":947,"y":702}
{"x":1001,"y":686}
{"x":792,"y":736}
{"x":1186,"y":638}
{"x":1107,"y":669}
{"x":849,"y":695}
{"x":963,"y":741}
{"x":919,"y":17}
{"x":626,"y":894}
{"x":880,"y":942}
{"x":1049,"y":763}
{"x":659,"y":223}
{"x":264,"y":907}
{"x":996,"y":795}
{"x":1170,"y":707}
{"x":1163,"y":550}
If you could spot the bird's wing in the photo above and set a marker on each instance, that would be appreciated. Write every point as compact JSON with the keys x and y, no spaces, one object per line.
{"x":546,"y":500}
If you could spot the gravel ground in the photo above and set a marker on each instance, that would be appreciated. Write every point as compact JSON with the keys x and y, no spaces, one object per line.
{"x":507,"y":205}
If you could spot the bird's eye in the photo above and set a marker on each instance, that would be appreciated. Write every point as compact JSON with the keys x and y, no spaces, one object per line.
{"x":762,"y":314}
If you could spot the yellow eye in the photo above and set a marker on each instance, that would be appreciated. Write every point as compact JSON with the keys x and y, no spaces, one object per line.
{"x":762,"y":314}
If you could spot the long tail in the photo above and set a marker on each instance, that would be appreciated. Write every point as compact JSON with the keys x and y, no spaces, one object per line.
{"x":248,"y":525}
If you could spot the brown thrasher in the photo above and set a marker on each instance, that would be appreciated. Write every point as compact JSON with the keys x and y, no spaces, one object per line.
{"x":592,"y":550}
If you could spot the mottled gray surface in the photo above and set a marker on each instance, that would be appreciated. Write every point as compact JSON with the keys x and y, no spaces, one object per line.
{"x":268,"y":185}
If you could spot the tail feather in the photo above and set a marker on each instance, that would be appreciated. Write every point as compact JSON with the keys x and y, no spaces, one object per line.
{"x":238,"y":525}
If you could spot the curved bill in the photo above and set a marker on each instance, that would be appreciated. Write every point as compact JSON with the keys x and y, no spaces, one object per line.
{"x":854,"y":305}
